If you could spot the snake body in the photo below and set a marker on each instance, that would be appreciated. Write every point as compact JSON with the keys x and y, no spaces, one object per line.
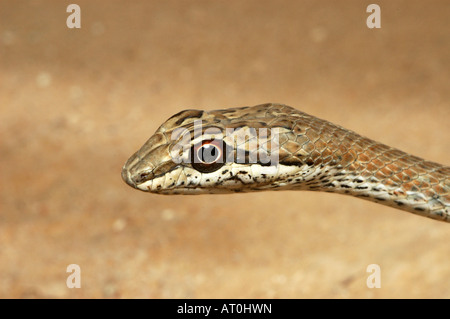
{"x":312,"y":154}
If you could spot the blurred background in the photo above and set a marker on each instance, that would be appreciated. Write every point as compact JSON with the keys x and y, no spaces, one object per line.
{"x":76,"y":103}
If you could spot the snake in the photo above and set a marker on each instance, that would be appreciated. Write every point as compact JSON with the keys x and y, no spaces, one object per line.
{"x":277,"y":147}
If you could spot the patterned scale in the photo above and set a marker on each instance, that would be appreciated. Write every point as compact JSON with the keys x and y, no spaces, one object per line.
{"x":306,"y":153}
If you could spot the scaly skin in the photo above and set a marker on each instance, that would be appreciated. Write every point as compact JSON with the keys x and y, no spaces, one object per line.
{"x":313,"y":154}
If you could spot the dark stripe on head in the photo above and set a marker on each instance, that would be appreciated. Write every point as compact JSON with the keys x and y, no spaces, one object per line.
{"x":187,"y":114}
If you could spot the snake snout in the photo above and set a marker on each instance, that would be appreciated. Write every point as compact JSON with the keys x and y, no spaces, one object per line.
{"x":127,"y":178}
{"x":135,"y":172}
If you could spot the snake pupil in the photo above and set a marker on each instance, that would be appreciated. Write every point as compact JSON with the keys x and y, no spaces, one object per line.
{"x":208,"y":153}
{"x":208,"y":157}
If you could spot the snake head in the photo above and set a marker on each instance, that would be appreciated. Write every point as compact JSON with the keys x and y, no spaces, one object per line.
{"x":197,"y":152}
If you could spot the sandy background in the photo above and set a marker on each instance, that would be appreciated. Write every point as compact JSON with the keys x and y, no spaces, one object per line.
{"x":75,"y":104}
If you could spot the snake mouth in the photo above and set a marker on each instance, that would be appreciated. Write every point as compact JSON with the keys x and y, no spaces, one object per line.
{"x":134,"y":180}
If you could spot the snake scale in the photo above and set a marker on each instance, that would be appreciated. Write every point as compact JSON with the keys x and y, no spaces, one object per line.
{"x":226,"y":151}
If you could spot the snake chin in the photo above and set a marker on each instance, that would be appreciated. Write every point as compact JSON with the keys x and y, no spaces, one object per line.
{"x":231,"y":178}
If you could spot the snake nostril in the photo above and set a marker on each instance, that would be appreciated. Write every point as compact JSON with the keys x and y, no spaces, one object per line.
{"x":135,"y":179}
{"x":142,"y":177}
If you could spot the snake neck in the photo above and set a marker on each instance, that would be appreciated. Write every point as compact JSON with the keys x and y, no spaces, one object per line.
{"x":390,"y":177}
{"x":338,"y":160}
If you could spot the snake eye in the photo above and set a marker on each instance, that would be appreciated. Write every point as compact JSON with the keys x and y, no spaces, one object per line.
{"x":208,"y":156}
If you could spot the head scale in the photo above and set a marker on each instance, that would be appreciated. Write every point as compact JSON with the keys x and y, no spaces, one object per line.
{"x":222,"y":151}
